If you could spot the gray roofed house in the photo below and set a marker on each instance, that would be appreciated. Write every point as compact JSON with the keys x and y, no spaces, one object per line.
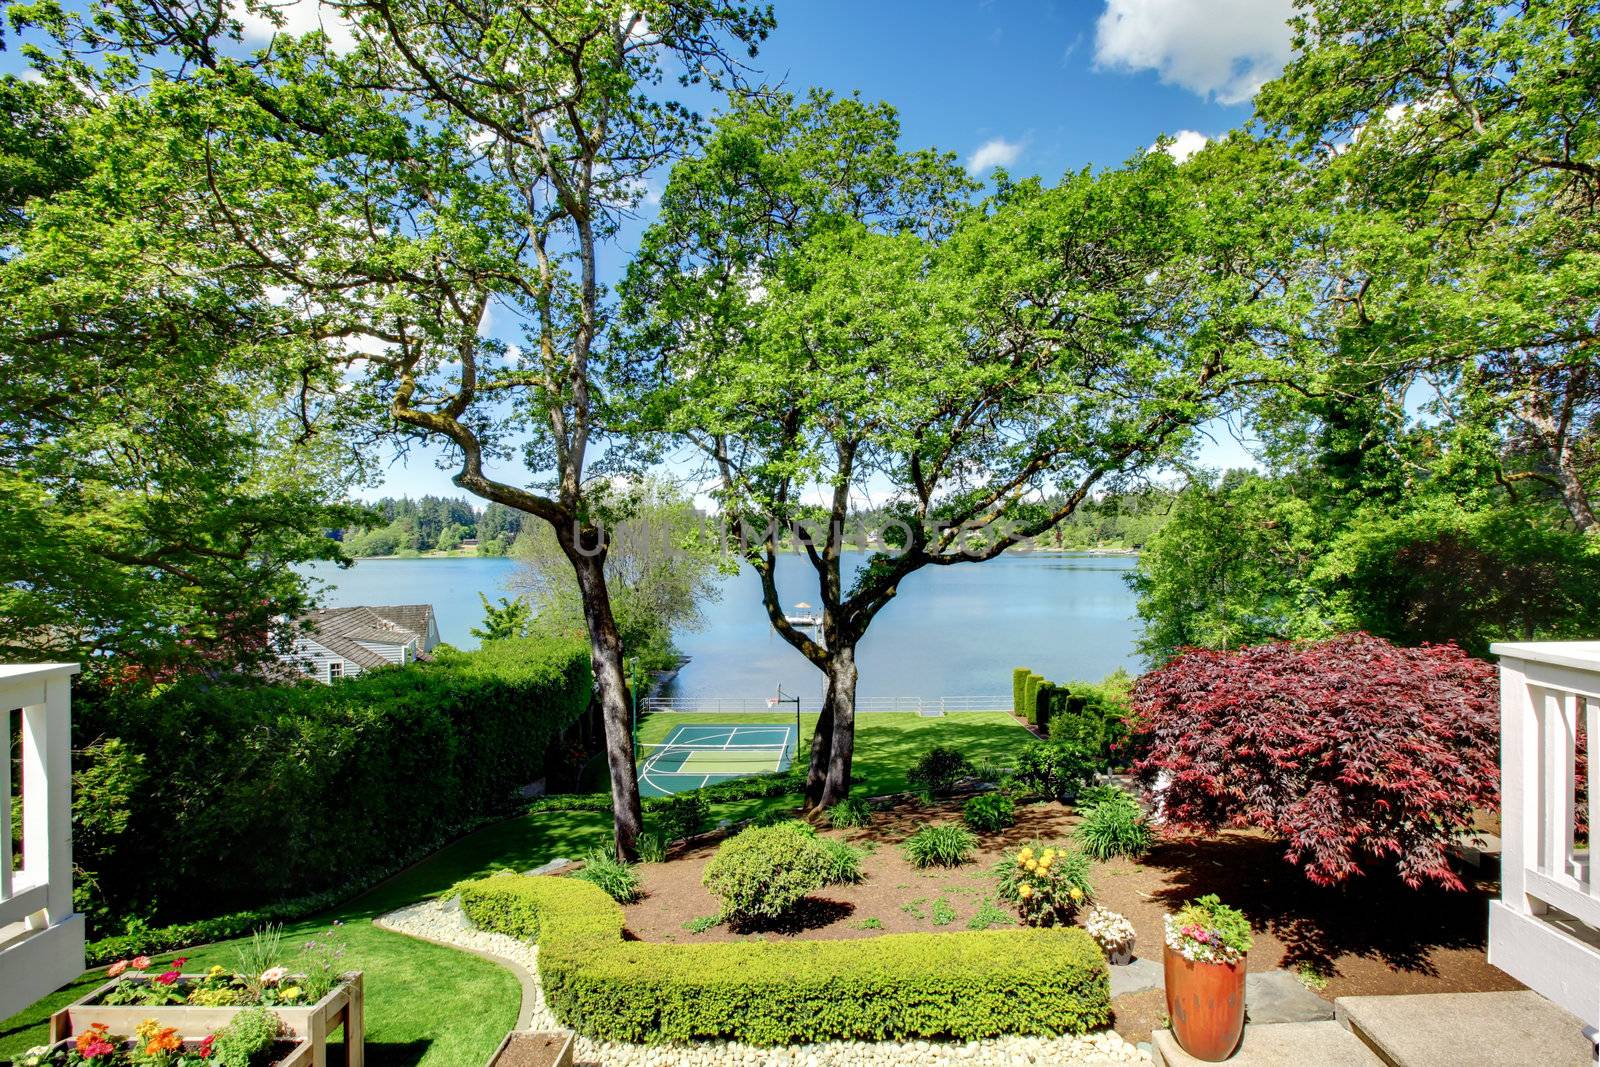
{"x":342,"y":642}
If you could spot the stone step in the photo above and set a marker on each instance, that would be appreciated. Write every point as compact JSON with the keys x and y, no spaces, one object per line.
{"x":1513,"y":1029}
{"x":1313,"y":1044}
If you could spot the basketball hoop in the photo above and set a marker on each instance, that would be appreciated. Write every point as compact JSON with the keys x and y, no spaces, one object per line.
{"x":772,"y":702}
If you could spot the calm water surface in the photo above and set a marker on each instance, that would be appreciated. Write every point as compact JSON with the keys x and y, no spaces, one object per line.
{"x":952,"y":631}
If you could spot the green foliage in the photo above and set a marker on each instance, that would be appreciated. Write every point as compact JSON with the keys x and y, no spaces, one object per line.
{"x":844,"y":861}
{"x":509,"y":618}
{"x":246,"y":1041}
{"x":942,"y":912}
{"x":764,"y":871}
{"x":680,"y":815}
{"x":1092,"y":717}
{"x":1047,"y":884}
{"x":344,"y":782}
{"x":1019,"y":686}
{"x":850,"y":813}
{"x":1228,"y":926}
{"x":960,"y":985}
{"x":988,"y":812}
{"x":262,"y":951}
{"x":938,"y":770}
{"x":1114,"y":826}
{"x":940,"y":845}
{"x":989,"y":915}
{"x":703,"y":923}
{"x":616,"y":878}
{"x":1051,"y":769}
{"x":652,"y":847}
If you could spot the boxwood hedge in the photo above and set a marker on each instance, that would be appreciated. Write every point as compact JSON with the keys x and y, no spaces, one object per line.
{"x":960,"y":985}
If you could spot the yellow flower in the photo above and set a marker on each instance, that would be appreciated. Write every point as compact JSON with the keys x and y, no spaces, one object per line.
{"x":1024,"y":891}
{"x":215,"y":970}
{"x":292,"y":993}
{"x":1044,"y":864}
{"x":1076,"y":893}
{"x":1049,"y":853}
{"x":1025,"y":854}
{"x":1032,"y":865}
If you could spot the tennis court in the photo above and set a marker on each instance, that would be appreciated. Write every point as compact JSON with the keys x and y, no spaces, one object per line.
{"x":697,"y":754}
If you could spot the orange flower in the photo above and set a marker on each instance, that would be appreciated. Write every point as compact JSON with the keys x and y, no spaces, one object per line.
{"x":164,"y":1041}
{"x":95,"y":1035}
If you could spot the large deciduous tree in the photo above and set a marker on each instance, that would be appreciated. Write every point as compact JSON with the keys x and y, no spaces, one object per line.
{"x":828,"y":323}
{"x":433,"y":205}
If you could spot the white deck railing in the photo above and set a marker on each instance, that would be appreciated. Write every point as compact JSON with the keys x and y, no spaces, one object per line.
{"x":1545,"y":929}
{"x":41,"y":939}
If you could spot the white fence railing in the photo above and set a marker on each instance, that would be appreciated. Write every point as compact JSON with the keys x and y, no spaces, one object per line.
{"x":41,"y":939}
{"x":1544,"y":929}
{"x":864,"y":706}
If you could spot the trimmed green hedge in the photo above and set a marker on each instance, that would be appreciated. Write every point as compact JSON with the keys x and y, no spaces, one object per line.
{"x":961,"y":985}
{"x":225,"y":795}
{"x":1019,"y":689}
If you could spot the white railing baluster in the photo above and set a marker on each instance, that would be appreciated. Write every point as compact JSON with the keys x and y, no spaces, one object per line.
{"x":6,"y":844}
{"x":1591,"y":729}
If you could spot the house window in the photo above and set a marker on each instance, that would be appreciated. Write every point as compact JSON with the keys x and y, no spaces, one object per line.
{"x":335,"y":669}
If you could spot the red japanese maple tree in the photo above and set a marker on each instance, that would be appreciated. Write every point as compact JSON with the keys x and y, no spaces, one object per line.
{"x":1357,"y":752}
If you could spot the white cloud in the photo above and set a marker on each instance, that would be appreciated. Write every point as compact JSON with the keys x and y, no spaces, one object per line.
{"x":299,"y":16}
{"x":1225,"y":49}
{"x":1184,"y":144}
{"x":997,"y":152}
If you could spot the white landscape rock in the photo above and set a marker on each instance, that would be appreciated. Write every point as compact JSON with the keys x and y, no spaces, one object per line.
{"x":444,"y":921}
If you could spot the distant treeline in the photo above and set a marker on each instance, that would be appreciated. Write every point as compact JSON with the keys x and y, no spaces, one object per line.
{"x":404,"y":526}
{"x":1115,"y":520}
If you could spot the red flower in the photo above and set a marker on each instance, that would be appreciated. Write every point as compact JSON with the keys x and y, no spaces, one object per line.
{"x":168,"y":977}
{"x":205,"y":1046}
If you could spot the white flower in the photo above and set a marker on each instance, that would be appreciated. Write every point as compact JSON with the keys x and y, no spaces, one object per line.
{"x":274,"y":975}
{"x":1108,"y":928}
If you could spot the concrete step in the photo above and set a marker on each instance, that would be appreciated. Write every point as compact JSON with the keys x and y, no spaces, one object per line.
{"x":1313,"y":1044}
{"x":1515,"y":1029}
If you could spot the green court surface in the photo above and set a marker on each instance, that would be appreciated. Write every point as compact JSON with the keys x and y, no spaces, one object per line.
{"x":697,"y":754}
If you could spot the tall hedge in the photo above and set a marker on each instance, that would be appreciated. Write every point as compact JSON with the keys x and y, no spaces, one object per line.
{"x":964,"y":985}
{"x":217,"y":795}
{"x":1019,"y":690}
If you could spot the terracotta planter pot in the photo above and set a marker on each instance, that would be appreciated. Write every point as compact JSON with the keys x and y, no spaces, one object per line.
{"x":1205,"y":1002}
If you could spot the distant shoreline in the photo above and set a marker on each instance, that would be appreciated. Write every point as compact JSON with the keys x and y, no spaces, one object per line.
{"x":1021,"y":550}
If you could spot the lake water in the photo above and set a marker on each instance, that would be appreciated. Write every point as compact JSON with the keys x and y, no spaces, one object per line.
{"x":952,"y":631}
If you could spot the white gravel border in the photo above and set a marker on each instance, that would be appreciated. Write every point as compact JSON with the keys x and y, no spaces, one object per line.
{"x":444,"y":922}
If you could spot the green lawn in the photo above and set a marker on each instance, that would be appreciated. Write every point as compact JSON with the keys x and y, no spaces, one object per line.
{"x":429,"y":1006}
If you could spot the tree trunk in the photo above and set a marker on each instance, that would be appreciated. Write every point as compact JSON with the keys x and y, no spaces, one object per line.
{"x":610,"y":683}
{"x":821,"y":750}
{"x":841,"y":710}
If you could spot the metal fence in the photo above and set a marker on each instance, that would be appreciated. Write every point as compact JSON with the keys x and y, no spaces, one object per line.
{"x":931,"y":706}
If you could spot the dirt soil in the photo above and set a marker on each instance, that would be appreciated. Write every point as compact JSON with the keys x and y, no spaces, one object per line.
{"x":1372,"y":937}
{"x":531,"y":1050}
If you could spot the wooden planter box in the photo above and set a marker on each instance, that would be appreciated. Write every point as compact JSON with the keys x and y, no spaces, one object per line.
{"x":296,"y":1055}
{"x":310,"y":1023}
{"x":555,"y":1047}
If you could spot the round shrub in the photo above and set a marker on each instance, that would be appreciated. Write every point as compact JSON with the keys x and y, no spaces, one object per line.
{"x":989,"y":812}
{"x":1116,"y":826}
{"x":850,"y":813}
{"x":681,"y":815}
{"x":940,"y":845}
{"x":938,"y":770}
{"x":763,"y":872}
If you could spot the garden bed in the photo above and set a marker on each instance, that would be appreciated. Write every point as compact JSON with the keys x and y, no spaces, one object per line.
{"x":1373,"y":937}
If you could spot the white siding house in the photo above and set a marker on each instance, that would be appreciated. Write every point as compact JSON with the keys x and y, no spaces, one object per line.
{"x":342,"y":642}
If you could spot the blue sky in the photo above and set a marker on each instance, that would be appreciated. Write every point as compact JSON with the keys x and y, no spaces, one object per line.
{"x":1039,"y":87}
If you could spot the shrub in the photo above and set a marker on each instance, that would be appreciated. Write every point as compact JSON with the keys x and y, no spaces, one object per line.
{"x":763,"y":872}
{"x":346,"y":782}
{"x":246,"y":1041}
{"x":960,"y":985}
{"x":988,"y":812}
{"x":938,"y":770}
{"x":1358,"y":754}
{"x":1047,"y":884}
{"x":652,"y":847}
{"x":1051,"y":769}
{"x":844,"y":861}
{"x":681,"y":815}
{"x":1116,"y":826}
{"x":618,"y":880}
{"x":850,"y":813}
{"x":1093,"y":716}
{"x":1090,"y":795}
{"x":1019,"y":688}
{"x":940,"y":845}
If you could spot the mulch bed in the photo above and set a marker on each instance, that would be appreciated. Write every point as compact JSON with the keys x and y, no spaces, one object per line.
{"x":531,"y":1050}
{"x":1374,"y":936}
